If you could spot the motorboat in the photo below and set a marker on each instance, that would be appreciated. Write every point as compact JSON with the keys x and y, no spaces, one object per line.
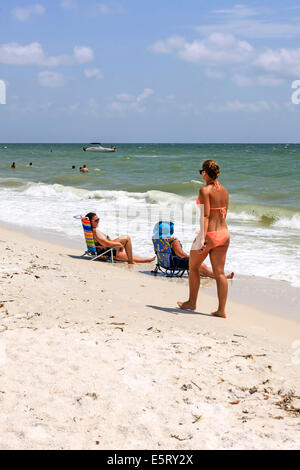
{"x":97,"y":147}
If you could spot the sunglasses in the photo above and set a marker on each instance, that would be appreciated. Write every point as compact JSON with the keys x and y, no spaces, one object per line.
{"x":200,"y":171}
{"x":96,"y":220}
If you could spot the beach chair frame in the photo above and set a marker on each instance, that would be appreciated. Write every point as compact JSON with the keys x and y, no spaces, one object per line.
{"x":90,"y":243}
{"x":167,"y":263}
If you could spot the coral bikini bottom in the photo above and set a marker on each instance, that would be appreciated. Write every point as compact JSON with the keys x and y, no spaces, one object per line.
{"x":219,"y":238}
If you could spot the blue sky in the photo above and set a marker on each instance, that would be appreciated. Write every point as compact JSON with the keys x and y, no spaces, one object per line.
{"x":149,"y":71}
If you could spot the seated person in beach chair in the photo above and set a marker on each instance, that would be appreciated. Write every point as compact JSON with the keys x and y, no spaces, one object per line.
{"x":164,"y":241}
{"x":171,"y":259}
{"x":93,"y":251}
{"x":119,"y":245}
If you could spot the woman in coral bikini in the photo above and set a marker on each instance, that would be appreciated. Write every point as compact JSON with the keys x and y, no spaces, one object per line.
{"x":214,"y":200}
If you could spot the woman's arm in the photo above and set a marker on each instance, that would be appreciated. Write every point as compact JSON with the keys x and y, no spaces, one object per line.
{"x":205,"y":208}
{"x":104,"y":241}
{"x":177,"y":248}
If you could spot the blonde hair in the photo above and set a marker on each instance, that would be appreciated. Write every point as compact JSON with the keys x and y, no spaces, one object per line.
{"x":212,"y":168}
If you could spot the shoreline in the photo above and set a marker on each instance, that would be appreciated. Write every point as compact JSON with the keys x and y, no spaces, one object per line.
{"x":84,"y":345}
{"x":276,"y":297}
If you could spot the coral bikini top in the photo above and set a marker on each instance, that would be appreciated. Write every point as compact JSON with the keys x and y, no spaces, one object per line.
{"x":223,"y":210}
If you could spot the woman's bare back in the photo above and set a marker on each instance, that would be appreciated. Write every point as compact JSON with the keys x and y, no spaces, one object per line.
{"x":218,"y":198}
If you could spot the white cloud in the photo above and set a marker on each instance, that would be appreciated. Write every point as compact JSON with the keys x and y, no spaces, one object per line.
{"x":68,"y":4}
{"x":264,"y":80}
{"x":93,"y":73}
{"x":237,"y":10}
{"x":236,"y":105}
{"x":166,"y":99}
{"x":242,"y":81}
{"x":213,"y":73}
{"x":215,"y":49}
{"x":25,"y":13}
{"x":125,"y":102}
{"x":93,"y":108}
{"x":73,"y":107}
{"x":111,"y":8}
{"x":124,"y":97}
{"x":33,"y":54}
{"x":270,"y":81}
{"x":284,"y":61}
{"x":252,"y":28}
{"x":14,"y":53}
{"x":166,"y":46}
{"x":51,"y":79}
{"x":118,"y":106}
{"x":145,"y":94}
{"x":239,"y":21}
{"x":225,"y":49}
{"x":83,"y":54}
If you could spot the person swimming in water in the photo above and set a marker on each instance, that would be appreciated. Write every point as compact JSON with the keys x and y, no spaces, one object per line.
{"x":215,"y":241}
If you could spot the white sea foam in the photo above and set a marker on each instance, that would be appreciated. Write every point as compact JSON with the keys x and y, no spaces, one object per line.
{"x":288,"y":222}
{"x":241,"y":216}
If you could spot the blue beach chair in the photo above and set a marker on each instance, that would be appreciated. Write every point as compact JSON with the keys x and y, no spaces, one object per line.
{"x":167,"y":263}
{"x":94,"y":252}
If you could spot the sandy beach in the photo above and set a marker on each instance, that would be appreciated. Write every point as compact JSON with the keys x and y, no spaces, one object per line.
{"x":97,"y":356}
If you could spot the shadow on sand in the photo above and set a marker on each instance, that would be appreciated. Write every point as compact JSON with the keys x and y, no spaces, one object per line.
{"x":86,"y":258}
{"x":177,"y":311}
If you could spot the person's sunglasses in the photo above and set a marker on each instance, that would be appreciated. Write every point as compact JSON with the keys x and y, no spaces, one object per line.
{"x":96,"y":220}
{"x":200,"y":171}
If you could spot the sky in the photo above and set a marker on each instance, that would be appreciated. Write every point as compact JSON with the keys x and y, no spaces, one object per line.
{"x":149,"y":71}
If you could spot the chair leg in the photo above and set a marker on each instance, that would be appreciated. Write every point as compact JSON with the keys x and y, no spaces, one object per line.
{"x":102,"y":254}
{"x":155,"y":270}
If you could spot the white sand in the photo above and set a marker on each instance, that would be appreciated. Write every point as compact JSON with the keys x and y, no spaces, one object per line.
{"x":94,"y":356}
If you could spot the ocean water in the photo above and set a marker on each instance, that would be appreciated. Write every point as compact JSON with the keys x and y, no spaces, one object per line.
{"x":141,"y":183}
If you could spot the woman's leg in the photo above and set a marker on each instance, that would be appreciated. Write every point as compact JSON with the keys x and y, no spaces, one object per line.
{"x":196,"y":259}
{"x":206,"y":272}
{"x":218,"y":258}
{"x":125,"y":240}
{"x":121,"y":256}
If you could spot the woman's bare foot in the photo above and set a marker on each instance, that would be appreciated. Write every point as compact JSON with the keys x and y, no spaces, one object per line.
{"x":230,"y":276}
{"x":186,"y":305}
{"x":219,"y":314}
